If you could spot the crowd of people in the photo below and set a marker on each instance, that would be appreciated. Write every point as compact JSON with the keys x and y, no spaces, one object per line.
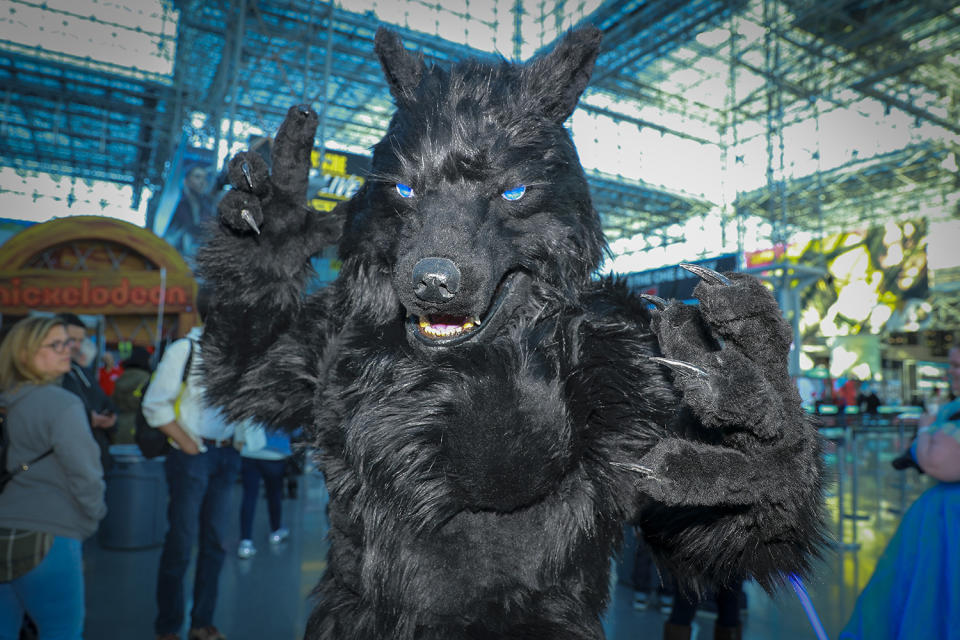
{"x":61,"y":416}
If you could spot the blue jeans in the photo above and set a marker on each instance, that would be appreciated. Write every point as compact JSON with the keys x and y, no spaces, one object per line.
{"x":200,"y":488}
{"x":52,"y":593}
{"x":272,"y":473}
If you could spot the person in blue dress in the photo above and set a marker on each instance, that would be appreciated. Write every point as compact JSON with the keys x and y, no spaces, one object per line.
{"x":914,"y":592}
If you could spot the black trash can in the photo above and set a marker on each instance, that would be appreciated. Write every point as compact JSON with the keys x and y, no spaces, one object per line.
{"x":136,"y":501}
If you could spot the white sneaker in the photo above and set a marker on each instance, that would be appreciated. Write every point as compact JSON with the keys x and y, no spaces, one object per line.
{"x":666,"y":602}
{"x":246,"y":549}
{"x":279,"y":535}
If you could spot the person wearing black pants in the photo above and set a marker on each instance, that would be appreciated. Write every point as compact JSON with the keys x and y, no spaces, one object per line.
{"x":727,"y":626}
{"x":251,"y":470}
{"x":264,"y":455}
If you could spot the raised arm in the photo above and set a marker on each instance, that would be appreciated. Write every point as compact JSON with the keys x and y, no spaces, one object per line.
{"x":732,"y":488}
{"x":256,"y":356}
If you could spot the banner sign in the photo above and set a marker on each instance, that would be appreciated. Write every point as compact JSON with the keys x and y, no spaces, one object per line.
{"x":187,"y":202}
{"x":90,"y":293}
{"x":335,"y":179}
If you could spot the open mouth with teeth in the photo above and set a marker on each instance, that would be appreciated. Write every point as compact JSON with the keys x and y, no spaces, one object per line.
{"x":446,"y":326}
{"x":448,"y":330}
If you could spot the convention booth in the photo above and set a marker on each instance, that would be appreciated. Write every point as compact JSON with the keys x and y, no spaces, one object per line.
{"x":136,"y":283}
{"x":141,"y":292}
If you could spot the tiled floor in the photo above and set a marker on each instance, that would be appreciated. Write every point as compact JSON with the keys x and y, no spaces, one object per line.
{"x":267,"y":597}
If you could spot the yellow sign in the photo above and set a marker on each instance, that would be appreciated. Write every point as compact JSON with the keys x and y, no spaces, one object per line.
{"x":333,"y":163}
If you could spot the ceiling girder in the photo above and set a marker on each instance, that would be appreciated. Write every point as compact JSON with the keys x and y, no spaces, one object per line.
{"x":884,"y":51}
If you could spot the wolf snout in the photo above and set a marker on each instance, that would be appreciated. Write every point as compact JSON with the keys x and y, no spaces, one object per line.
{"x":435,"y":279}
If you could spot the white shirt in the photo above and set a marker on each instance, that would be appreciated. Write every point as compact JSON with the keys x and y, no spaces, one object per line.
{"x":254,"y":439}
{"x":195,"y":417}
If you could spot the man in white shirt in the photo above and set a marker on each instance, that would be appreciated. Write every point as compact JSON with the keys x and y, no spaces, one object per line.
{"x":201,"y":471}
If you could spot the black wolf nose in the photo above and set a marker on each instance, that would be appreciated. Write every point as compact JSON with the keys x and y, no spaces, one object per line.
{"x":435,"y":279}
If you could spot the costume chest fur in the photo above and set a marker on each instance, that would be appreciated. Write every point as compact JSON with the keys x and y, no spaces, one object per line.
{"x":472,"y":485}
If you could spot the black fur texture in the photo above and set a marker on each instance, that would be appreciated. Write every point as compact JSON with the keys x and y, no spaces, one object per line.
{"x":479,"y":482}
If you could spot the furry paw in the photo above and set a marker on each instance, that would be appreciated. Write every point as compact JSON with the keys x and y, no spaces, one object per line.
{"x":240,"y":210}
{"x":683,"y":472}
{"x":751,"y":451}
{"x":261,"y":197}
{"x":729,"y":355}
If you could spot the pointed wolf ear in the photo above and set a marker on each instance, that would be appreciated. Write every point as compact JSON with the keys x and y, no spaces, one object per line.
{"x":559,"y":77}
{"x":402,"y":69}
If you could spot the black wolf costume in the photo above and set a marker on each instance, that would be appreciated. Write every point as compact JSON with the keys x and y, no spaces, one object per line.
{"x":488,"y":415}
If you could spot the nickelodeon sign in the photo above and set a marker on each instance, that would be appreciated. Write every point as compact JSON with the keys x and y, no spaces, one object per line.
{"x":91,"y":293}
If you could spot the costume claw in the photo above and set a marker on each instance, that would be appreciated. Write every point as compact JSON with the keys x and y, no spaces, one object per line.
{"x":638,"y":468}
{"x":656,"y":301}
{"x":248,"y":218}
{"x":245,"y":167}
{"x":681,"y":367}
{"x":706,"y":274}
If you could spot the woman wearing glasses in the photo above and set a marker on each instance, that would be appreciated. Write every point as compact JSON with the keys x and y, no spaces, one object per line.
{"x":54,"y":498}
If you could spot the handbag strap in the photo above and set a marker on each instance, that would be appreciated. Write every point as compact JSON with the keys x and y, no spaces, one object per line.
{"x":186,"y":367}
{"x":21,"y":466}
{"x":183,"y":381}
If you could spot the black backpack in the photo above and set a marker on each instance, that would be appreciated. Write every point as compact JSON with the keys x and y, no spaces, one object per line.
{"x":153,"y":442}
{"x":7,"y":476}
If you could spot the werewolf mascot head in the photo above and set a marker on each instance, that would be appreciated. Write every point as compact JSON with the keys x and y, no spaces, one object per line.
{"x":477,"y":203}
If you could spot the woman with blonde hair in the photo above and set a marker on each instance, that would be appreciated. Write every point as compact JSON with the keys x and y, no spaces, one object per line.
{"x":54,"y":495}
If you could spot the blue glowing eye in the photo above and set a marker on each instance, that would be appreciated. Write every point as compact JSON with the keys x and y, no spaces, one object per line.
{"x":405,"y":191}
{"x":514,"y":194}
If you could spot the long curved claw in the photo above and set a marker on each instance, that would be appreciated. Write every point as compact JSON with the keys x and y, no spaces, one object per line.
{"x":248,"y":175}
{"x":656,"y":301}
{"x":636,"y":468}
{"x":247,"y":217}
{"x":708,"y":275}
{"x":681,"y":367}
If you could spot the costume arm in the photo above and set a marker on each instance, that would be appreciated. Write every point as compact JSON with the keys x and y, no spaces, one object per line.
{"x":260,"y":330}
{"x":732,"y":486}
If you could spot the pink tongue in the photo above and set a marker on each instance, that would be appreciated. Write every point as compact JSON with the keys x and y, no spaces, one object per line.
{"x":446,"y":322}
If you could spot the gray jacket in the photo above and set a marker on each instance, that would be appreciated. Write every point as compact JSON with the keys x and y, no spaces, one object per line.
{"x":62,"y":494}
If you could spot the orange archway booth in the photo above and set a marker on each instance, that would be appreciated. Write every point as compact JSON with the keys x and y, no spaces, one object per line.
{"x":92,"y":265}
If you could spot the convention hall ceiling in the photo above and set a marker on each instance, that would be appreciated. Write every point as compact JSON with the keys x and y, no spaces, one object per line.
{"x":739,"y":76}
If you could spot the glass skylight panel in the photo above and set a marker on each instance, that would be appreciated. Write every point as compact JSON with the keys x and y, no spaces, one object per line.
{"x":486,"y":25}
{"x":135,"y":39}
